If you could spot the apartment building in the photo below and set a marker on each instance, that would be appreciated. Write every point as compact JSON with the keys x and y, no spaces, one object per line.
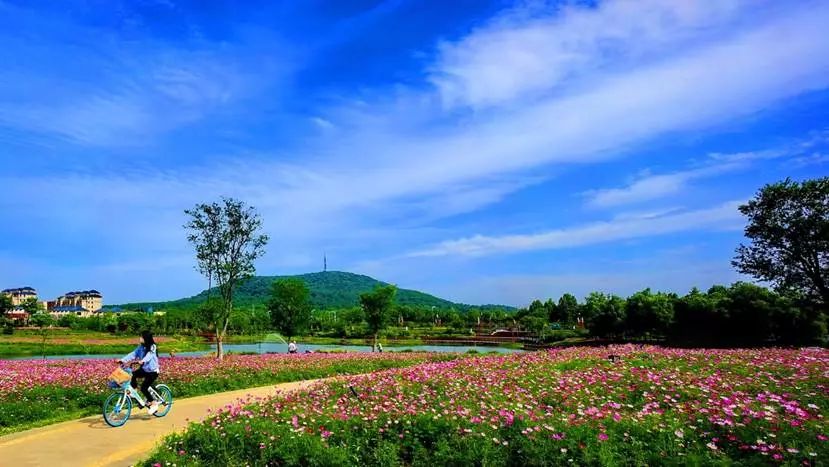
{"x":81,"y":303}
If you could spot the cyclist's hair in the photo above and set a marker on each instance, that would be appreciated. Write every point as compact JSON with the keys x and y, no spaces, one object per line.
{"x":149,"y":342}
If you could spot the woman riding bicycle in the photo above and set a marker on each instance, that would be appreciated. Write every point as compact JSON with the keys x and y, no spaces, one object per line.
{"x":147,"y":354}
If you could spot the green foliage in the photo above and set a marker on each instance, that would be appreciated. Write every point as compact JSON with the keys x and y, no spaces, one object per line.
{"x":227,"y":239}
{"x":742,"y":314}
{"x":567,"y":309}
{"x":788,"y":226}
{"x":289,"y":306}
{"x":559,"y":335}
{"x":649,"y":314}
{"x":68,"y":321}
{"x":41,"y":320}
{"x":32,"y":306}
{"x":5,"y":304}
{"x":607,"y":314}
{"x":133,"y":323}
{"x":377,"y":306}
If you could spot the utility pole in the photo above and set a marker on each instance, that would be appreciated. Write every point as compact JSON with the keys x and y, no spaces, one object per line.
{"x":324,"y":262}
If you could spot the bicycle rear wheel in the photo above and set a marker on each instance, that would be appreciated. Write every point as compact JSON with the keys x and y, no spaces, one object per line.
{"x":117,"y":409}
{"x":166,"y":402}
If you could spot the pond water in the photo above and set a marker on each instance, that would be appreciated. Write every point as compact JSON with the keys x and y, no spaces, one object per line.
{"x":271,"y":347}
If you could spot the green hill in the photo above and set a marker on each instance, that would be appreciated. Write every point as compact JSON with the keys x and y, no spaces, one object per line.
{"x":332,"y":289}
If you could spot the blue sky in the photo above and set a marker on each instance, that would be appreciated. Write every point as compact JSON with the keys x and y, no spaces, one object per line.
{"x":486,"y":152}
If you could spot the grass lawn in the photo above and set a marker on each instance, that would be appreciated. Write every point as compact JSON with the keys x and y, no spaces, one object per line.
{"x":29,"y":342}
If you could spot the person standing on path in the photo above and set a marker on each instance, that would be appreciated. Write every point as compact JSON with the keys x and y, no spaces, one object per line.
{"x":292,"y":348}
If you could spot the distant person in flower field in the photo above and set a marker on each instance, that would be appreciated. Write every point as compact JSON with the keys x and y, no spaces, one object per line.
{"x":292,"y":348}
{"x":147,"y":354}
{"x":379,"y":347}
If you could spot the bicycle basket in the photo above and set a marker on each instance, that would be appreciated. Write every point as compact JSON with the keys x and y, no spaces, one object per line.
{"x":118,"y":377}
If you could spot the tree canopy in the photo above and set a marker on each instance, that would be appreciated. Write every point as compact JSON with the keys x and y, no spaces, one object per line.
{"x":377,"y":306}
{"x":5,"y":304}
{"x":227,"y":238}
{"x":289,"y":306}
{"x":788,"y":229}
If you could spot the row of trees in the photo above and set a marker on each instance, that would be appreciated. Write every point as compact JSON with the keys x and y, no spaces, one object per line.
{"x":251,"y":321}
{"x":291,"y":313}
{"x":742,"y":314}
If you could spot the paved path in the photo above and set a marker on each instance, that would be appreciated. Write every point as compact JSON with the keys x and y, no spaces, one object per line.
{"x":91,"y":442}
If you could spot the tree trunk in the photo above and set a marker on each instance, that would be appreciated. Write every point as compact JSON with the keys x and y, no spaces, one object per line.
{"x":373,"y":347}
{"x":220,"y":335}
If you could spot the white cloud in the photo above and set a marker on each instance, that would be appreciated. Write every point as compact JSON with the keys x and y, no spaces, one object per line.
{"x":720,"y":217}
{"x":532,"y":49}
{"x":646,"y":214}
{"x":655,"y":186}
{"x":815,"y":158}
{"x":404,"y":161}
{"x":647,"y":188}
{"x":705,"y":86}
{"x":130,"y":109}
{"x":651,"y":187}
{"x":322,"y":123}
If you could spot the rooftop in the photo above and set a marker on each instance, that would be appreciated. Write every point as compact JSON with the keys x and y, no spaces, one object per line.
{"x":21,"y":290}
{"x":64,"y":309}
{"x":83,"y":293}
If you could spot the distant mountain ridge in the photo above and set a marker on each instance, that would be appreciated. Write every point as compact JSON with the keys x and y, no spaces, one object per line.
{"x":331,"y":289}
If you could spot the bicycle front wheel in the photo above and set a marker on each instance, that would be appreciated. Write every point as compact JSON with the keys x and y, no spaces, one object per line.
{"x":117,"y":409}
{"x":166,"y":402}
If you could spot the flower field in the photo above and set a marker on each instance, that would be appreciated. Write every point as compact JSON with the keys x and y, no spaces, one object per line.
{"x":653,"y":406}
{"x":37,"y":392}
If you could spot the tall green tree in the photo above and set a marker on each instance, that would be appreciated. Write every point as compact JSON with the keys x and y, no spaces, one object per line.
{"x":750,"y":309}
{"x":696,"y":318}
{"x":568,"y":308}
{"x":788,"y":229}
{"x":606,"y":314}
{"x":227,"y":239}
{"x":290,"y":306}
{"x":5,"y":306}
{"x":649,"y":314}
{"x":32,"y":306}
{"x":378,"y":305}
{"x":42,"y":320}
{"x":551,"y":309}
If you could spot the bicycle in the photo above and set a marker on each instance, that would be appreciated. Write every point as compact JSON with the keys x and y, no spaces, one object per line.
{"x":118,"y":406}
